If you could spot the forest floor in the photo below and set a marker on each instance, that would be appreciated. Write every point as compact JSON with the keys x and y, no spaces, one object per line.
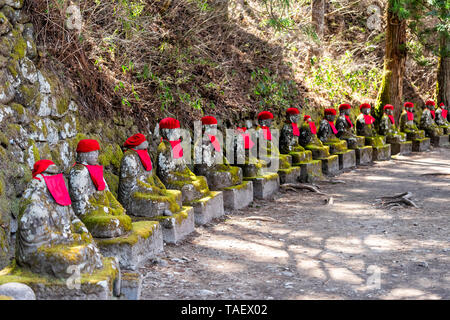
{"x":298,"y":247}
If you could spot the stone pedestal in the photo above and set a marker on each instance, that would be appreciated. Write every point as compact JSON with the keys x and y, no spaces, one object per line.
{"x":364,"y":156}
{"x":264,"y":187}
{"x":208,"y":208}
{"x":130,"y":287}
{"x":402,"y":148}
{"x":440,"y":141}
{"x":381,"y":153}
{"x":238,"y":197}
{"x":310,"y":171}
{"x":97,"y":286}
{"x":421,"y":145}
{"x":176,"y":227}
{"x":330,"y":165}
{"x":144,"y":241}
{"x":290,"y":175}
{"x":347,"y":159}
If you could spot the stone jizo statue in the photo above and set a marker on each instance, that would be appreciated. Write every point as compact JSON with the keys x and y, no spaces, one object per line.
{"x":346,"y":129}
{"x":50,"y":237}
{"x":92,"y":200}
{"x":290,"y":133}
{"x":427,"y":121}
{"x":365,"y":122}
{"x":388,"y":126}
{"x":442,"y":118}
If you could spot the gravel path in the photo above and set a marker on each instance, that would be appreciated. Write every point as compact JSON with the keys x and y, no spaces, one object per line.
{"x":298,"y":247}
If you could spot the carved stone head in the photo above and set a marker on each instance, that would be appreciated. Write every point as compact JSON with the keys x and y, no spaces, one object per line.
{"x":293,"y":118}
{"x":170,"y":134}
{"x":88,"y":158}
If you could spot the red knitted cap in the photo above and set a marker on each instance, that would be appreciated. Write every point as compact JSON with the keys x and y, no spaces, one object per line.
{"x":169,"y":123}
{"x":442,"y":104}
{"x":209,"y":120}
{"x":292,"y":111}
{"x":365,"y":105}
{"x":388,"y":106}
{"x":430,"y":103}
{"x":40,"y":166}
{"x":344,"y":106}
{"x":264,"y":115}
{"x":306,"y":117}
{"x":330,"y":111}
{"x":88,"y":145}
{"x":134,"y":140}
{"x":408,"y":105}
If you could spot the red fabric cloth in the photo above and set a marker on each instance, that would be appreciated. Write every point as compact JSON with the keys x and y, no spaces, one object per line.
{"x":408,"y":105}
{"x":40,"y":166}
{"x":96,"y":173}
{"x":392,"y":119}
{"x":410,"y":116}
{"x":388,"y":106}
{"x":145,"y":159}
{"x":207,"y":120}
{"x":264,"y":115}
{"x":368,"y":119}
{"x":214,"y":142}
{"x":312,"y":127}
{"x":88,"y":145}
{"x":333,"y":128}
{"x":429,"y":103}
{"x":349,"y":121}
{"x":177,"y":149}
{"x":344,"y":106}
{"x":364,"y":105}
{"x":292,"y":111}
{"x":134,"y":140}
{"x":444,"y":113}
{"x":330,"y":112}
{"x":248,"y":143}
{"x":267,"y":133}
{"x":295,"y":129}
{"x":169,"y":123}
{"x":433,"y":113}
{"x":57,"y":188}
{"x":306,"y":117}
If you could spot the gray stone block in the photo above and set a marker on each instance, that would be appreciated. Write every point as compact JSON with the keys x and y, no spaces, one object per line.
{"x":144,"y":241}
{"x":402,"y":148}
{"x":440,"y":141}
{"x":17,"y":291}
{"x":178,"y":226}
{"x":310,"y":171}
{"x":290,"y":175}
{"x":131,"y":286}
{"x":347,"y":159}
{"x":208,"y":208}
{"x":238,"y":197}
{"x":364,"y":155}
{"x":330,"y":165}
{"x":421,"y":145}
{"x":266,"y":186}
{"x":382,"y":153}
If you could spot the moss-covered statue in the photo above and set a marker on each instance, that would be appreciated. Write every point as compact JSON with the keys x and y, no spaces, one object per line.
{"x":140,"y":191}
{"x":92,"y":201}
{"x":346,"y":129}
{"x":427,"y":121}
{"x":388,"y":127}
{"x":308,"y":135}
{"x":210,"y":161}
{"x":50,"y":237}
{"x":365,"y":122}
{"x":290,"y":133}
{"x":172,"y":168}
{"x":328,"y":133}
{"x":442,"y":116}
{"x":407,"y":124}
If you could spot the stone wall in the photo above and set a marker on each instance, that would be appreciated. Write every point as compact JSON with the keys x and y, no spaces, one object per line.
{"x":39,"y":119}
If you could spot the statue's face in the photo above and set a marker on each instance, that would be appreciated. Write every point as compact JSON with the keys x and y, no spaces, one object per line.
{"x":444,"y":107}
{"x":431,"y":107}
{"x":365,"y":111}
{"x":142,"y":146}
{"x":344,"y":112}
{"x":90,"y":158}
{"x":265,"y":123}
{"x":389,"y":112}
{"x":293,"y":118}
{"x":248,"y":124}
{"x":330,"y":117}
{"x":52,"y":169}
{"x":210,"y":128}
{"x":171,"y":134}
{"x":409,"y":109}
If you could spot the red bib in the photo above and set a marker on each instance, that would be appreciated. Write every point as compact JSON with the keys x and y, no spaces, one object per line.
{"x":312,"y":127}
{"x":333,"y":128}
{"x":444,"y":113}
{"x":177,"y":149}
{"x":433,"y":113}
{"x":214,"y":142}
{"x":96,"y":173}
{"x":267,"y":133}
{"x":145,"y":159}
{"x":349,"y":121}
{"x":58,"y":189}
{"x":369,"y":119}
{"x":410,"y":116}
{"x":295,"y":129}
{"x":391,"y":117}
{"x":248,"y":143}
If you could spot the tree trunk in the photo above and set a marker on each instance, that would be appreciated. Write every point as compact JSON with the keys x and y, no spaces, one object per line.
{"x":318,"y":16}
{"x":391,"y":90}
{"x":443,"y":73}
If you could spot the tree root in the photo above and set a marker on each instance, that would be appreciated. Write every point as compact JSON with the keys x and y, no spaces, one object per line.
{"x":294,"y":186}
{"x":400,"y":200}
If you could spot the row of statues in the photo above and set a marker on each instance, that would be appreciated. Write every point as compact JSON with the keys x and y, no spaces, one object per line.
{"x":59,"y":226}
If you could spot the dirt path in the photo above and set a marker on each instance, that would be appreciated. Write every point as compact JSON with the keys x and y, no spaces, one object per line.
{"x":297,"y":247}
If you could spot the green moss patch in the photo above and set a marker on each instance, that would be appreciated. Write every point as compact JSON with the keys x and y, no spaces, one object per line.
{"x":139,"y":230}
